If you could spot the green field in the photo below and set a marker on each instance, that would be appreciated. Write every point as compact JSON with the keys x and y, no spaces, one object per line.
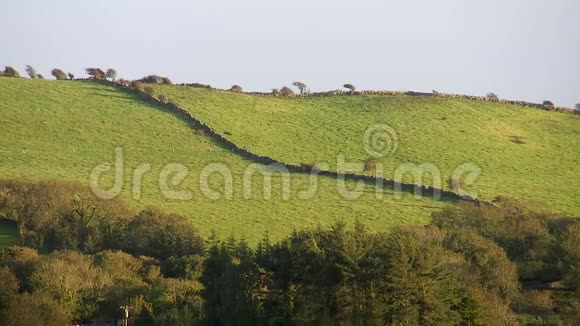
{"x":525,"y":153}
{"x":63,"y":129}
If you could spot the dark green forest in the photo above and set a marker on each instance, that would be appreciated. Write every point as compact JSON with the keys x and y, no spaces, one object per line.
{"x":81,"y":258}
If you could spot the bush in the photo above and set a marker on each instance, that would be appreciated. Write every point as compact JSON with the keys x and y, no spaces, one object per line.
{"x":492,"y":96}
{"x":371,"y":165}
{"x":236,"y":88}
{"x":286,"y":91}
{"x":111,"y":73}
{"x":95,"y":73}
{"x":137,"y":85}
{"x":275,"y":91}
{"x":154,"y":79}
{"x":10,"y":72}
{"x":149,"y":90}
{"x":39,"y":76}
{"x":58,"y":74}
{"x":71,"y":76}
{"x":548,"y":104}
{"x":349,"y":87}
{"x":166,"y":81}
{"x":577,"y":106}
{"x":31,"y":72}
{"x":162,"y":98}
{"x":311,"y":167}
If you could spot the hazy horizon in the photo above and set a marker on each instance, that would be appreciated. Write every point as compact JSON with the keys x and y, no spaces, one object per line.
{"x":519,"y":49}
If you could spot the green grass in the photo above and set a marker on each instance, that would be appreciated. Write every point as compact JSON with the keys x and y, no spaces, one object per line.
{"x":545,"y":168}
{"x":63,"y":129}
{"x":8,"y":234}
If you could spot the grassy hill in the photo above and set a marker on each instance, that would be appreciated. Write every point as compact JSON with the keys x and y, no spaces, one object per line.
{"x":63,"y":129}
{"x":526,"y":153}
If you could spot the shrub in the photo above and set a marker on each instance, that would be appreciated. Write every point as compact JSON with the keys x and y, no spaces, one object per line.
{"x":301,"y":87}
{"x":275,"y":91}
{"x":311,"y":167}
{"x":577,"y":106}
{"x":162,"y":98}
{"x":71,"y":76}
{"x":10,"y":72}
{"x":548,"y":104}
{"x":236,"y":88}
{"x":492,"y":96}
{"x":454,"y":184}
{"x":286,"y":91}
{"x":371,"y":165}
{"x":154,"y":79}
{"x":31,"y":72}
{"x":58,"y":74}
{"x":349,"y":87}
{"x":149,"y":90}
{"x":95,"y":73}
{"x":39,"y":76}
{"x":111,"y":73}
{"x":137,"y":85}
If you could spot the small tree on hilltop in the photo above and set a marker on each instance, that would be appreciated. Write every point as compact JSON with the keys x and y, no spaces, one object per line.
{"x":111,"y":73}
{"x":71,"y":76}
{"x":39,"y":76}
{"x":548,"y":104}
{"x":236,"y":88}
{"x":577,"y":106}
{"x":10,"y":72}
{"x":286,"y":91}
{"x":492,"y":96}
{"x":96,"y":73}
{"x":349,"y":87}
{"x":301,"y":87}
{"x":275,"y":91}
{"x":58,"y":74}
{"x":31,"y":72}
{"x":166,"y":81}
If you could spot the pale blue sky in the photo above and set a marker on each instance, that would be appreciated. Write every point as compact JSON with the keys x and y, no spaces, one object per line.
{"x":520,"y":49}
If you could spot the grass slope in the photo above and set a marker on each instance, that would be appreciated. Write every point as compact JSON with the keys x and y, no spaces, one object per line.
{"x":63,"y":129}
{"x":544,"y":168}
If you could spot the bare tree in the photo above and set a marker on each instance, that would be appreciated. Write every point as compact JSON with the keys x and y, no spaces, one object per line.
{"x":58,"y":74}
{"x":31,"y":72}
{"x":111,"y":73}
{"x":301,"y":87}
{"x":350,"y":87}
{"x":492,"y":96}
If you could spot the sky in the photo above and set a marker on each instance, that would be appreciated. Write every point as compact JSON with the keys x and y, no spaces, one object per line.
{"x":518,"y":49}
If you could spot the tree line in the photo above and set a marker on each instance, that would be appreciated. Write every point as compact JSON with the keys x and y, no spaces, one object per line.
{"x":81,"y":258}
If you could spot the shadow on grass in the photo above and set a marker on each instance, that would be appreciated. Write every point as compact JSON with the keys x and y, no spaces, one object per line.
{"x":8,"y":233}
